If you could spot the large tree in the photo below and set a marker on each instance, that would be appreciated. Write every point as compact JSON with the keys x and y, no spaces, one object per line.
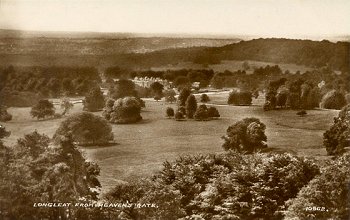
{"x":246,"y":136}
{"x":184,"y":93}
{"x":123,"y":111}
{"x":122,"y":88}
{"x":44,"y":108}
{"x":191,"y":106}
{"x":337,"y":138}
{"x":94,"y":100}
{"x":333,"y":100}
{"x":86,"y":128}
{"x":157,"y":88}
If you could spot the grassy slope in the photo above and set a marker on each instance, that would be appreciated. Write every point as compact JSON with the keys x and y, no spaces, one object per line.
{"x":143,"y":147}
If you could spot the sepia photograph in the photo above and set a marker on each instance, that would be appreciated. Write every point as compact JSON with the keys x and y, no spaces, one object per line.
{"x":174,"y":109}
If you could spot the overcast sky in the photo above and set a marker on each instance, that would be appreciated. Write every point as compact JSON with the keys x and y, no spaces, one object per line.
{"x":267,"y":18}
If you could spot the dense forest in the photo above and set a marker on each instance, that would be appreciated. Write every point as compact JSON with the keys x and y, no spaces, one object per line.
{"x":302,"y":52}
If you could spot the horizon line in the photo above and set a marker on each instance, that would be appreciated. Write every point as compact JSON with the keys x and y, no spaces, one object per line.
{"x":186,"y":34}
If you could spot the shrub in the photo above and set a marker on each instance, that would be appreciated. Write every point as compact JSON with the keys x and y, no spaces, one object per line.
{"x":205,"y":98}
{"x":179,"y":116}
{"x":4,"y":115}
{"x":123,"y":111}
{"x":254,"y":187}
{"x":213,"y":112}
{"x":337,"y":137}
{"x":44,"y":108}
{"x":157,"y":97}
{"x":246,"y":136}
{"x":301,"y":113}
{"x":333,"y":100}
{"x":3,"y":132}
{"x":201,"y":113}
{"x":328,"y":193}
{"x":94,"y":100}
{"x":239,"y":98}
{"x":170,"y":112}
{"x":86,"y":128}
{"x":221,"y":186}
{"x":191,"y":106}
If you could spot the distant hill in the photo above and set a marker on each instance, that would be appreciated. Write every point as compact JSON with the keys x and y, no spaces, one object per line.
{"x":137,"y":51}
{"x":80,"y":43}
{"x":302,"y":52}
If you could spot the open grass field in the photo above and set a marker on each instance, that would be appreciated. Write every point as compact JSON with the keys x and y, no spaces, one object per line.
{"x":143,"y":147}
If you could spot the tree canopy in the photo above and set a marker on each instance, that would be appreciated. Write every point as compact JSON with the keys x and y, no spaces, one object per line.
{"x":86,"y":129}
{"x":246,"y":136}
{"x":94,"y":100}
{"x":122,"y":111}
{"x":44,"y":108}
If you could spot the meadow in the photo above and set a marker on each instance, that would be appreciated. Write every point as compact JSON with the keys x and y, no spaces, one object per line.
{"x":143,"y":147}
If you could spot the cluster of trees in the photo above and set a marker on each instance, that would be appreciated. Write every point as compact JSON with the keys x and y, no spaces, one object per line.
{"x":188,"y":107}
{"x":123,"y":110}
{"x":49,"y":81}
{"x":234,"y":186}
{"x":37,"y":170}
{"x":301,"y":92}
{"x":203,"y":113}
{"x":301,"y":52}
{"x":215,"y":186}
{"x":240,"y":98}
{"x":182,"y":77}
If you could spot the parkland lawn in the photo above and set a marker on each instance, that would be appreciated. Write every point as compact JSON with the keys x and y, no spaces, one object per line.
{"x":143,"y":147}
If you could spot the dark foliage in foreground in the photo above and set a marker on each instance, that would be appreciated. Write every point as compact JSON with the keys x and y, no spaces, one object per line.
{"x":34,"y":170}
{"x":326,"y":196}
{"x":337,"y":138}
{"x":226,"y":186}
